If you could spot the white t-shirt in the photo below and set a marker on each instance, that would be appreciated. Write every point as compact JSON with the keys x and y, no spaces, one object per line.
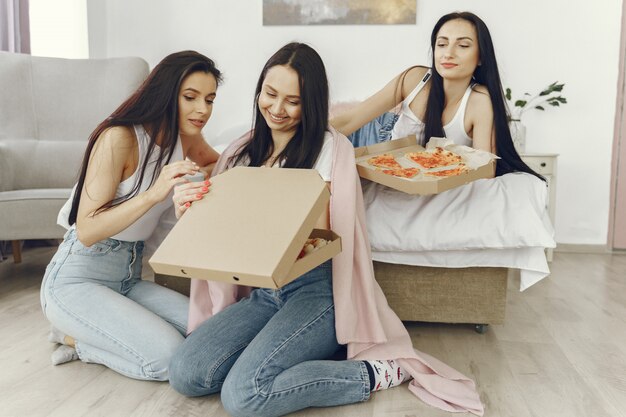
{"x":324,"y":163}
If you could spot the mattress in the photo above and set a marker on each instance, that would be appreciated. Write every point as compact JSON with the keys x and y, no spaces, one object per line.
{"x":499,"y":222}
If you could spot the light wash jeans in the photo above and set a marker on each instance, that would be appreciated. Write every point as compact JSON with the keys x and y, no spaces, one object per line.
{"x":95,"y":294}
{"x":376,"y":131}
{"x":268,"y":354}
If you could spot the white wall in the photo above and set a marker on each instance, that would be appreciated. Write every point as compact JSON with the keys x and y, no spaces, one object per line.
{"x":58,"y":28}
{"x":537,"y":42}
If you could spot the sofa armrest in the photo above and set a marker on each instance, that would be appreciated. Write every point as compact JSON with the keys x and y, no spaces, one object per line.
{"x":7,"y":171}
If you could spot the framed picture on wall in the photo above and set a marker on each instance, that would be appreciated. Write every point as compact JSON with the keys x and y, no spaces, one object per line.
{"x":339,"y":12}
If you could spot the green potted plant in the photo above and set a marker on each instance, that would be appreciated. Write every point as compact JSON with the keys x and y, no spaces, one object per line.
{"x":549,"y":96}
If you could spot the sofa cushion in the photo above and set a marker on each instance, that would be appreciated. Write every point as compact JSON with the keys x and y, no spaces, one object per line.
{"x":17,"y":113}
{"x":62,"y":99}
{"x":6,"y":164}
{"x":99,"y":84}
{"x":40,"y":164}
{"x":30,"y":219}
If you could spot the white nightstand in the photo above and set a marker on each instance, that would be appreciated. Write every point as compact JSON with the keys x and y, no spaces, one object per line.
{"x":545,"y":164}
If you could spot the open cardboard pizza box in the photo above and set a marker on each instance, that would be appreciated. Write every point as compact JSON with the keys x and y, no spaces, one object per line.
{"x":250,"y":228}
{"x":481,"y":165}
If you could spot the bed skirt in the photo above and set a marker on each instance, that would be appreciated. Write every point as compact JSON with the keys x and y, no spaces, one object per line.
{"x":475,"y":295}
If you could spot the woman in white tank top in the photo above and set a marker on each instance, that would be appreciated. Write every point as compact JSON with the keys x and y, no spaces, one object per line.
{"x":460,"y":97}
{"x":92,"y":292}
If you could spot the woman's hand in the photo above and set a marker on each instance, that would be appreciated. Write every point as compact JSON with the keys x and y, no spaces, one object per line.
{"x":187,"y":193}
{"x":170,"y":176}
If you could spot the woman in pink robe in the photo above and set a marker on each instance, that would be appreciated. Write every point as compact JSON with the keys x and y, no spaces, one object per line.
{"x":268,"y":354}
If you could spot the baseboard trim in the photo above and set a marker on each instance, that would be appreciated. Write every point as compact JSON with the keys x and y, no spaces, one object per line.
{"x":579,"y":248}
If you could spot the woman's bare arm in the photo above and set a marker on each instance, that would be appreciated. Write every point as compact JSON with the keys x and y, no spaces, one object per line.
{"x":109,"y":158}
{"x":384,"y":100}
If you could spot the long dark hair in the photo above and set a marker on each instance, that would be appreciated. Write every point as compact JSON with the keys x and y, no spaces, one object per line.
{"x":155,"y":106}
{"x":486,"y":74}
{"x":306,"y":144}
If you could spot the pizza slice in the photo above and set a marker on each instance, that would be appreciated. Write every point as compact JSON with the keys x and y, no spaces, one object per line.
{"x":385,"y":160}
{"x":402,"y":172}
{"x":447,"y":157}
{"x":435,"y":159}
{"x":425,"y":159}
{"x":311,"y":245}
{"x":448,"y":172}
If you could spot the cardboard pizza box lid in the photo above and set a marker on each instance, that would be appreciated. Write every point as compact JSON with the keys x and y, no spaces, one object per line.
{"x":249,"y":229}
{"x":422,"y":186}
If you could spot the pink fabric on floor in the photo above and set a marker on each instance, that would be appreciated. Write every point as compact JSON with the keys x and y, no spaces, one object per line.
{"x":363,"y":319}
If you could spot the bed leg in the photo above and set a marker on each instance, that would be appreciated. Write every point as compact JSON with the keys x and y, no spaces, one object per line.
{"x":481,"y":328}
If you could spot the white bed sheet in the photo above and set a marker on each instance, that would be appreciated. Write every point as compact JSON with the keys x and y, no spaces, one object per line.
{"x":530,"y":261}
{"x":499,"y":222}
{"x":504,"y":212}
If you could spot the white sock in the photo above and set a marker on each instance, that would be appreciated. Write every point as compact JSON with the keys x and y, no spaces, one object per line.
{"x":56,"y":336}
{"x":64,"y":354}
{"x":388,"y":374}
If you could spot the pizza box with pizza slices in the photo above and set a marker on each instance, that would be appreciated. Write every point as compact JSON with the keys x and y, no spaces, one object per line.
{"x":475,"y":165}
{"x":250,"y":229}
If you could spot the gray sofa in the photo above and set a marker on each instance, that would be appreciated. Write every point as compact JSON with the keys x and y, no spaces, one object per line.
{"x":48,"y":108}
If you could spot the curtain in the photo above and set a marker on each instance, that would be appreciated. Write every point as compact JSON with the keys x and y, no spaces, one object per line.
{"x":14,"y":26}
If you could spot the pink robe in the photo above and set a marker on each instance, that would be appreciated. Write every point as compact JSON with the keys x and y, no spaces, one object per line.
{"x":363,"y":319}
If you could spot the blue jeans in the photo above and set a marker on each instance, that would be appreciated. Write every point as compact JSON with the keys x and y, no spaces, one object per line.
{"x":376,"y":131}
{"x":268,"y":354}
{"x":95,"y":295}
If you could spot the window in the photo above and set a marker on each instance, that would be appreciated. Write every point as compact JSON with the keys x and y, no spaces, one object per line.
{"x":59,"y":28}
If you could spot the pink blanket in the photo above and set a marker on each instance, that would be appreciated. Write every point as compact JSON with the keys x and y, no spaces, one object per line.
{"x":363,"y":319}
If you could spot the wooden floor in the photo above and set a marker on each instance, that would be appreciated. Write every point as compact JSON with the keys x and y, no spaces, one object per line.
{"x":561,"y":352}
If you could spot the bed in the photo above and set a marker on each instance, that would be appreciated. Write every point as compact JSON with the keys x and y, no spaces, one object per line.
{"x":475,"y":295}
{"x":446,"y":257}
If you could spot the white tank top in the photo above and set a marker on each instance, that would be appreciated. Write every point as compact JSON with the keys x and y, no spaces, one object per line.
{"x":409,"y":124}
{"x":143,"y":227}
